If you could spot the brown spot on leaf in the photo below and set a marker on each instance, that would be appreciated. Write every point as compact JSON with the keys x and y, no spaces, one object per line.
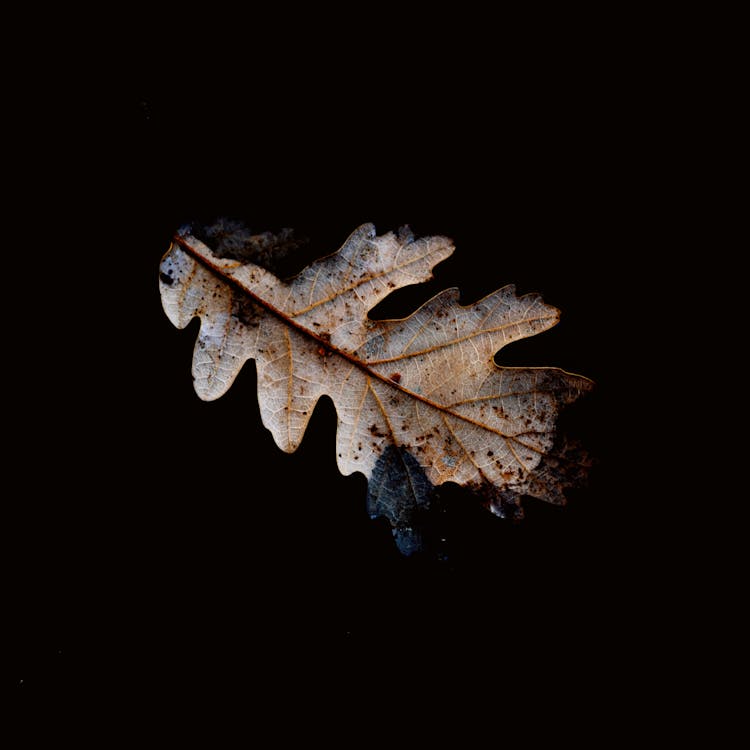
{"x":244,"y":310}
{"x":396,"y":377}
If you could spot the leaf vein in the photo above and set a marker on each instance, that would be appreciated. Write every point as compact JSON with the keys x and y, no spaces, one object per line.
{"x":290,"y":385}
{"x":363,"y":280}
{"x":453,"y":342}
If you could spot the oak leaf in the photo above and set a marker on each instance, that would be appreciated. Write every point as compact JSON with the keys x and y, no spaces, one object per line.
{"x":419,"y":401}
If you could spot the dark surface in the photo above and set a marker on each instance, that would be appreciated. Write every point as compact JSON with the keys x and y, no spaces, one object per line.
{"x":176,"y":547}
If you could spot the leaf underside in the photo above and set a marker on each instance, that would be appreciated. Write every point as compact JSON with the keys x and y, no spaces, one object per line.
{"x":420,"y":400}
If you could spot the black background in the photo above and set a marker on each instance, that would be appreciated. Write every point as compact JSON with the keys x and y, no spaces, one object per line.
{"x":173,"y":546}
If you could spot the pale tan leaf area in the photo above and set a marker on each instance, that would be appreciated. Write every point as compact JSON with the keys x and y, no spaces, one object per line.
{"x":427,"y":383}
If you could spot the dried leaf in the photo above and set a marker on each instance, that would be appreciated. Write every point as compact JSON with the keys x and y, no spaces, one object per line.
{"x":420,"y":401}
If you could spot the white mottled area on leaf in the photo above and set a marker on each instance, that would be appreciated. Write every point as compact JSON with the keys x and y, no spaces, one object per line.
{"x":427,"y":382}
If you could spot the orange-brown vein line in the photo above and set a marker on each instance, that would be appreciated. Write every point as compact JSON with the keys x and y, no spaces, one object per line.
{"x":364,"y":366}
{"x":468,"y":336}
{"x":359,"y":282}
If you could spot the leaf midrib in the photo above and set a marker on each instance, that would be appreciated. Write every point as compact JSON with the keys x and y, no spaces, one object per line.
{"x":281,"y":315}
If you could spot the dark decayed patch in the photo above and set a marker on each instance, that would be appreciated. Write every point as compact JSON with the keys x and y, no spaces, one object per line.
{"x":230,"y":238}
{"x":245,"y":310}
{"x":565,"y":466}
{"x":399,"y":491}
